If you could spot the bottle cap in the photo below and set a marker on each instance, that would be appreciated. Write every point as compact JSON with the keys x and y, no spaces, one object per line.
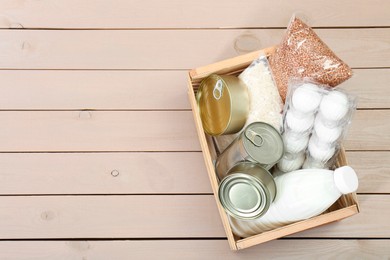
{"x":346,"y":179}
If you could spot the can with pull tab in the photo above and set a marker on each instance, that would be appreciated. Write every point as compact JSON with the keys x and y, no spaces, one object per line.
{"x":247,"y":191}
{"x":259,"y":142}
{"x":223,"y":103}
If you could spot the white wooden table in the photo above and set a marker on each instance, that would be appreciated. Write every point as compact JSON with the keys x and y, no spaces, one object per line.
{"x":99,"y":158}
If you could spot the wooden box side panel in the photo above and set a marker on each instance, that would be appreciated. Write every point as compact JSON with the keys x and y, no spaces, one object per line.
{"x":209,"y":164}
{"x":346,"y":206}
{"x":297,"y":227}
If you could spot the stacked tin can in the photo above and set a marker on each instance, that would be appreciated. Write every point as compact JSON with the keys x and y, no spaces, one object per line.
{"x":247,"y":188}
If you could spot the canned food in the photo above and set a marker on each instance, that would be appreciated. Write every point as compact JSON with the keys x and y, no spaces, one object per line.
{"x":259,"y":142}
{"x":247,"y":191}
{"x":223,"y":103}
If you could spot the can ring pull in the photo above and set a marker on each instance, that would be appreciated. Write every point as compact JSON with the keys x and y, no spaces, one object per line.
{"x":254,"y":137}
{"x":217,"y":92}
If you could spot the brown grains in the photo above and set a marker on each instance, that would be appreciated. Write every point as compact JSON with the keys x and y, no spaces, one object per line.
{"x":303,"y":54}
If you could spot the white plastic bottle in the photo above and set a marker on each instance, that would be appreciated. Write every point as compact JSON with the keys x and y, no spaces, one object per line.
{"x":301,"y":194}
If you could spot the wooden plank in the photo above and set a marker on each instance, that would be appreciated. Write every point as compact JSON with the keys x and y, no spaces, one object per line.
{"x":369,"y":131}
{"x":370,"y":87}
{"x":194,"y":249}
{"x":107,"y":90}
{"x":109,"y":216}
{"x":373,"y":170}
{"x":102,"y":173}
{"x":208,"y":151}
{"x":92,"y":173}
{"x":370,"y":220}
{"x":154,"y":49}
{"x":151,"y":216}
{"x":98,"y":131}
{"x":186,"y":14}
{"x":143,"y":131}
{"x":61,"y":90}
{"x":294,"y":228}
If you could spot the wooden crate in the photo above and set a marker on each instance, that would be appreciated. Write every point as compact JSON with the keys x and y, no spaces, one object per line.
{"x":345,"y":207}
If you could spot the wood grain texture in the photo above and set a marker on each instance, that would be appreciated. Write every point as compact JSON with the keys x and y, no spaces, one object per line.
{"x":155,"y":216}
{"x":170,"y":49}
{"x":109,"y":90}
{"x":187,"y":14}
{"x":369,"y":131}
{"x":193,"y":249}
{"x":149,"y":173}
{"x":143,"y":131}
{"x":373,"y":169}
{"x":371,"y":87}
{"x":370,"y":221}
{"x":61,"y":90}
{"x":98,"y":131}
{"x":102,"y":173}
{"x":109,"y":216}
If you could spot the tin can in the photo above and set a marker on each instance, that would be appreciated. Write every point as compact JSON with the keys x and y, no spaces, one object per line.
{"x":247,"y":191}
{"x":223,"y":103}
{"x":259,"y":142}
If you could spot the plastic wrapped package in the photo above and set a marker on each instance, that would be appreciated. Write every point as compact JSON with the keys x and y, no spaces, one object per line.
{"x":320,"y":151}
{"x":315,"y":119}
{"x":330,"y":128}
{"x":302,"y":103}
{"x":303,"y":54}
{"x":336,"y":108}
{"x":295,"y":143}
{"x":265,"y":102}
{"x":291,"y":161}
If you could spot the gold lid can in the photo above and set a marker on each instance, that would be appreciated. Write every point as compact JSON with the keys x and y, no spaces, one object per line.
{"x":223,"y":103}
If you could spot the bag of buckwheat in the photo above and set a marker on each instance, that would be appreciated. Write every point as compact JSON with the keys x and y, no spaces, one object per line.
{"x":302,"y":54}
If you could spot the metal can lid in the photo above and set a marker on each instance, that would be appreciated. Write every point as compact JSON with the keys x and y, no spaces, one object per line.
{"x":223,"y":104}
{"x":263,"y":143}
{"x":245,"y":196}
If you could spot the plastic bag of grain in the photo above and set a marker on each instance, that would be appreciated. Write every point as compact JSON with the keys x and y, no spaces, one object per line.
{"x":302,"y":54}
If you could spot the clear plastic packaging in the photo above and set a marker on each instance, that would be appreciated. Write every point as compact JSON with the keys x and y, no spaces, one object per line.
{"x":315,"y":119}
{"x":298,"y":123}
{"x":311,"y":163}
{"x":302,"y":103}
{"x":324,"y":133}
{"x":265,"y":102}
{"x":291,"y":161}
{"x":295,"y":143}
{"x":330,"y":127}
{"x":336,"y":108}
{"x":302,"y":54}
{"x":320,"y":151}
